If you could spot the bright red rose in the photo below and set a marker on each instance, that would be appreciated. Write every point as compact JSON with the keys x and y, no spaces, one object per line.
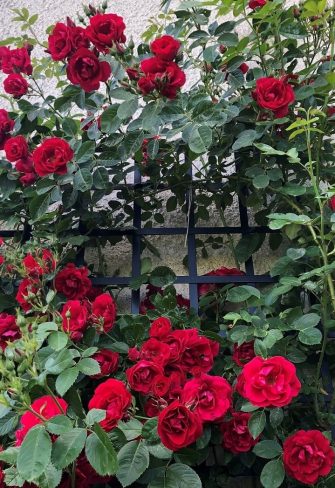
{"x":9,"y":330}
{"x":178,"y":426}
{"x":86,"y":70}
{"x":257,"y":4}
{"x":42,"y":263}
{"x":165,"y":47}
{"x":236,"y":436}
{"x":308,"y":456}
{"x":17,"y":61}
{"x":46,"y":407}
{"x":52,"y":157}
{"x":2,"y":260}
{"x":199,"y":352}
{"x":209,"y":396}
{"x":6,"y":125}
{"x":274,"y":94}
{"x":104,"y":312}
{"x":141,"y":376}
{"x":133,"y":354}
{"x":106,"y":31}
{"x":16,"y":148}
{"x":73,"y":282}
{"x":166,"y":77}
{"x":156,"y":351}
{"x":331,"y":203}
{"x":244,"y":68}
{"x":160,"y":328}
{"x":75,"y":318}
{"x":65,"y":39}
{"x":269,"y":382}
{"x":26,"y":287}
{"x":244,"y":353}
{"x":204,"y":288}
{"x":108,"y":362}
{"x":112,"y":396}
{"x":15,"y":85}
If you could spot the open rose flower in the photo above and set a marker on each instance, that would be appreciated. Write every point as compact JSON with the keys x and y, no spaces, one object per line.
{"x":106,"y":31}
{"x":52,"y":157}
{"x":308,"y":456}
{"x":165,"y":77}
{"x":6,"y":126}
{"x":274,"y":94}
{"x":65,"y":39}
{"x":160,"y":328}
{"x":244,"y":353}
{"x":108,"y":362}
{"x":198,"y":351}
{"x":112,"y":396}
{"x":236,"y":436}
{"x":46,"y":407}
{"x":74,"y":318}
{"x":142,"y":375}
{"x":73,"y":282}
{"x":16,"y":148}
{"x":178,"y":426}
{"x":165,"y":47}
{"x":16,"y":61}
{"x":156,"y":351}
{"x":25,"y":293}
{"x":42,"y":262}
{"x":104,"y":312}
{"x":15,"y":85}
{"x":269,"y":382}
{"x":86,"y":70}
{"x":209,"y":396}
{"x":253,"y":4}
{"x":9,"y":330}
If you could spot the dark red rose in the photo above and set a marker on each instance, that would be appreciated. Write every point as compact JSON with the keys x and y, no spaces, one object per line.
{"x":73,"y":282}
{"x":27,"y":288}
{"x":198,"y":351}
{"x":165,"y":47}
{"x":330,"y":111}
{"x":204,"y":288}
{"x":2,"y":260}
{"x":274,"y":94}
{"x":166,"y":77}
{"x":25,"y":165}
{"x":2,"y":478}
{"x":331,"y":203}
{"x":178,"y":426}
{"x":17,"y":61}
{"x":133,"y":354}
{"x":244,"y":68}
{"x":106,"y":31}
{"x":16,"y":148}
{"x":141,"y":376}
{"x":74,"y":319}
{"x":104,"y":312}
{"x":15,"y":85}
{"x":42,"y":263}
{"x":6,"y":125}
{"x":160,"y":328}
{"x":28,"y":179}
{"x":86,"y":476}
{"x":4,"y":52}
{"x":146,"y":84}
{"x":244,"y":353}
{"x":161,"y":385}
{"x":209,"y":396}
{"x":86,"y":70}
{"x":133,"y":74}
{"x":47,"y":407}
{"x":153,"y":406}
{"x":308,"y":456}
{"x":65,"y":39}
{"x":156,"y":351}
{"x":236,"y":436}
{"x":9,"y":330}
{"x":112,"y":396}
{"x":269,"y":382}
{"x":257,"y":4}
{"x":52,"y":157}
{"x":108,"y":362}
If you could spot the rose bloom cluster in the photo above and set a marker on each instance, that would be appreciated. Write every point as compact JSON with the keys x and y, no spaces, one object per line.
{"x":14,"y":63}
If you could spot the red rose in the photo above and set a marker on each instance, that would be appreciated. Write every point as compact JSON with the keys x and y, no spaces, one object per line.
{"x":108,"y":361}
{"x":40,"y":264}
{"x":73,"y":282}
{"x":160,"y":328}
{"x":112,"y":396}
{"x":141,"y":376}
{"x":28,"y":179}
{"x":178,"y":426}
{"x":209,"y":287}
{"x":146,"y":84}
{"x":104,"y":312}
{"x":209,"y":396}
{"x":133,"y":73}
{"x":331,"y":203}
{"x":75,"y":317}
{"x":236,"y":436}
{"x":26,"y":287}
{"x":269,"y":382}
{"x":86,"y":70}
{"x":161,"y":385}
{"x":274,"y":94}
{"x":105,"y":31}
{"x":244,"y":68}
{"x":52,"y":156}
{"x":16,"y":148}
{"x":155,"y":351}
{"x":133,"y":354}
{"x":4,"y":52}
{"x":166,"y":78}
{"x":2,"y":478}
{"x":65,"y":39}
{"x":198,"y":352}
{"x":9,"y":330}
{"x":86,"y":476}
{"x":15,"y":85}
{"x":257,"y":4}
{"x":6,"y":125}
{"x":16,"y":61}
{"x":308,"y":456}
{"x":153,"y":406}
{"x":47,"y":407}
{"x":330,"y":111}
{"x":25,"y":165}
{"x":244,"y":353}
{"x":165,"y":47}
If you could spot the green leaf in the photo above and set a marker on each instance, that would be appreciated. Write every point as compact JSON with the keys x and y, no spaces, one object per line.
{"x":110,"y":123}
{"x":127,"y":108}
{"x":34,"y":454}
{"x":100,"y":178}
{"x":59,"y":425}
{"x":245,"y":138}
{"x":50,"y":478}
{"x":67,"y":447}
{"x":89,"y":366}
{"x":131,"y":429}
{"x":247,"y":245}
{"x":8,"y":423}
{"x":310,"y":336}
{"x":100,"y":453}
{"x":241,"y":293}
{"x":176,"y":476}
{"x":133,"y":460}
{"x":200,"y":139}
{"x":162,"y":276}
{"x":39,"y":205}
{"x":9,"y":456}
{"x":267,"y":449}
{"x":66,"y":379}
{"x":69,"y":127}
{"x":273,"y":474}
{"x":12,"y":478}
{"x":57,"y":340}
{"x":276,"y":416}
{"x":83,"y":180}
{"x":95,"y":415}
{"x":257,"y":423}
{"x":56,"y":363}
{"x":85,"y":152}
{"x":307,"y":321}
{"x":261,"y":181}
